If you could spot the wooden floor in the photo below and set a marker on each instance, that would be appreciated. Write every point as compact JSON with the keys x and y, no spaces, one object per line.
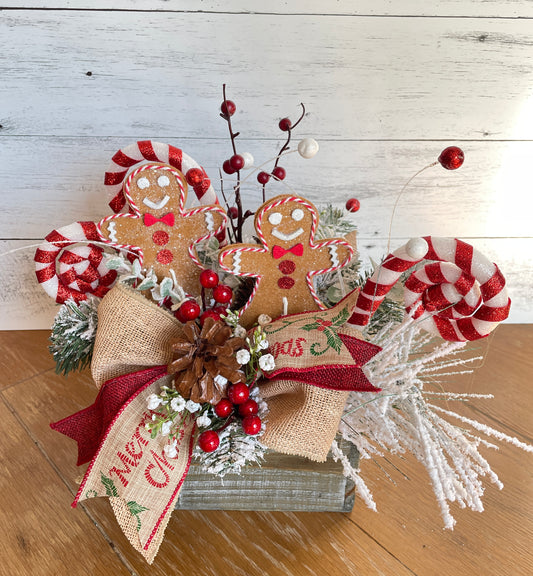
{"x":41,"y":535}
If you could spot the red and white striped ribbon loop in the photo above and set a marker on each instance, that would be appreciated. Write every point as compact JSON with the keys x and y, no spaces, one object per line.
{"x":69,"y":266}
{"x":149,"y":151}
{"x":459,"y":294}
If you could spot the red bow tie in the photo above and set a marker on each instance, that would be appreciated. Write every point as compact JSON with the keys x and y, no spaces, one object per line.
{"x":150,"y":220}
{"x":278,"y":251}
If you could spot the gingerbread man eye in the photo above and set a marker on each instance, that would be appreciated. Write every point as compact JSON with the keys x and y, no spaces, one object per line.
{"x":297,"y":214}
{"x":143,"y":183}
{"x":163,"y":181}
{"x":275,"y":218}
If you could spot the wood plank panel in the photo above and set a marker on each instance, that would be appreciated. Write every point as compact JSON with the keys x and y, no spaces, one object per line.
{"x":468,"y":8}
{"x":373,"y":78}
{"x":215,"y":543}
{"x":64,"y":182}
{"x":24,"y":354}
{"x":39,"y":533}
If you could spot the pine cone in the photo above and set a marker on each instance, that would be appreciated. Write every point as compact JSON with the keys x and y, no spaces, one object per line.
{"x":201,"y":356}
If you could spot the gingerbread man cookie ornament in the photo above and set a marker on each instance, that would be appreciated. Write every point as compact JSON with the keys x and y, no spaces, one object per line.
{"x":286,"y":260}
{"x":159,"y":229}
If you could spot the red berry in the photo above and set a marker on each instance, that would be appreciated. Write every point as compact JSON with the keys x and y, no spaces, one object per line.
{"x":263,"y":177}
{"x":179,"y":316}
{"x":251,"y":425}
{"x":208,"y":441}
{"x":451,"y":158}
{"x":285,"y":124}
{"x":227,"y":167}
{"x":224,"y":408}
{"x":248,"y":408}
{"x":238,"y":393}
{"x":209,"y":279}
{"x":209,"y":314}
{"x":237,"y":162}
{"x":223,"y":294}
{"x":352,"y":205}
{"x":190,"y":310}
{"x":228,"y":108}
{"x":195,"y":176}
{"x":222,"y":310}
{"x":233,"y":212}
{"x":279,"y":173}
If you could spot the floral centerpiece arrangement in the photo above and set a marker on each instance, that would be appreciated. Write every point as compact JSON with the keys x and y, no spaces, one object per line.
{"x":214,"y":340}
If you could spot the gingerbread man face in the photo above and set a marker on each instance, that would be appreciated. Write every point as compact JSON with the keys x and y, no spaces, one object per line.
{"x":160,"y":230}
{"x":285,"y":262}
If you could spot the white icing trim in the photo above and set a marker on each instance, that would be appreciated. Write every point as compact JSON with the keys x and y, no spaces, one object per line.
{"x":297,"y":214}
{"x":111,"y":228}
{"x":333,"y":255}
{"x":210,"y":222}
{"x":285,"y":306}
{"x":236,"y":262}
{"x":287,"y":237}
{"x":156,"y":205}
{"x":275,"y":218}
{"x":163,"y":181}
{"x":143,"y":183}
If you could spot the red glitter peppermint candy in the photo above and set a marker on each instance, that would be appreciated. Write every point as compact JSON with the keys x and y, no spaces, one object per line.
{"x":69,"y":266}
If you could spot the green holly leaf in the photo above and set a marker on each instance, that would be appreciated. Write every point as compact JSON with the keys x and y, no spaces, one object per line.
{"x":109,"y":486}
{"x":333,"y":340}
{"x":135,"y":509}
{"x":309,"y":327}
{"x":341,"y":317}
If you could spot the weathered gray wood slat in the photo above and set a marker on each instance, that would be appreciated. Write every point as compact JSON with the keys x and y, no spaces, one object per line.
{"x":373,"y":78}
{"x":63,"y":182}
{"x":466,"y":8}
{"x":282,"y":482}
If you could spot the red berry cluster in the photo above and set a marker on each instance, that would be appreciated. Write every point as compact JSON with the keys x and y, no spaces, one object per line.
{"x":237,"y":404}
{"x":190,"y":309}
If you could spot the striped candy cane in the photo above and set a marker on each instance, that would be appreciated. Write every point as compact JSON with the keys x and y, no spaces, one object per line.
{"x":68,"y":266}
{"x":144,"y":150}
{"x":460,"y":296}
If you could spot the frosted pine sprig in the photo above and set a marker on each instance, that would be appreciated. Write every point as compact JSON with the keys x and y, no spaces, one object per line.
{"x":401,"y":419}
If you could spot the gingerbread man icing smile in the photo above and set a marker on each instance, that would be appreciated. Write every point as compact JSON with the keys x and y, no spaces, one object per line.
{"x":160,"y":228}
{"x":286,"y":260}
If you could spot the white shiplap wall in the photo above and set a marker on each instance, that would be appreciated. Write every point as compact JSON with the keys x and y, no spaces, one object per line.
{"x":387,"y":85}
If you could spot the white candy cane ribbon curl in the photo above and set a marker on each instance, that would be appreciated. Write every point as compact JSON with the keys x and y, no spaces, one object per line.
{"x":460,"y":295}
{"x":68,"y":266}
{"x":147,"y":150}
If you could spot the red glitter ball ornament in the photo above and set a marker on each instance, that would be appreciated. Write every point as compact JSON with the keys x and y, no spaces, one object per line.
{"x":224,"y":408}
{"x":251,"y":425}
{"x":194,"y":176}
{"x":227,"y":167}
{"x":228,"y":108}
{"x":279,"y":173}
{"x":451,"y":158}
{"x":209,"y":279}
{"x":249,"y":408}
{"x":189,"y":310}
{"x":353,"y":205}
{"x":208,"y":441}
{"x":263,"y":177}
{"x":285,"y":124}
{"x":237,"y":162}
{"x":223,"y":294}
{"x":238,"y":393}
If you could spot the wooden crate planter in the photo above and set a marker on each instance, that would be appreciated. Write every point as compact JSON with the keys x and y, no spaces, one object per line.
{"x":283,"y":483}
